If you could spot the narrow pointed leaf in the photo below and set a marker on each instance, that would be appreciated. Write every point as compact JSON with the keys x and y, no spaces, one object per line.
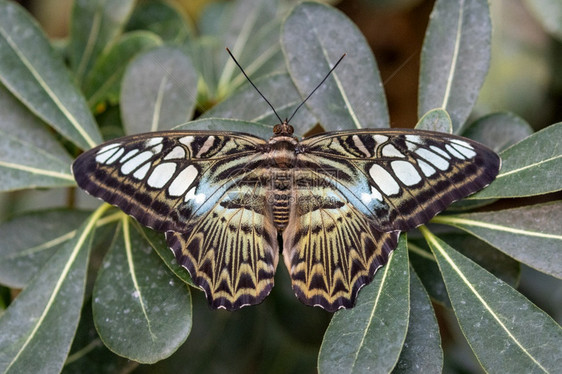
{"x":499,"y":131}
{"x":422,"y":352}
{"x":279,"y":90}
{"x":530,"y":167}
{"x":496,"y":320}
{"x":314,"y":37}
{"x":530,"y":234}
{"x":436,"y":120}
{"x":369,"y":337}
{"x":34,"y":73}
{"x":221,"y":124}
{"x":94,"y":25}
{"x":141,"y":310}
{"x":455,"y":58}
{"x":158,"y":91}
{"x":36,"y":331}
{"x":104,"y":80}
{"x":22,"y":256}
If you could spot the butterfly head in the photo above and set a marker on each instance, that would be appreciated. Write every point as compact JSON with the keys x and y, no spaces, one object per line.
{"x":283,"y":129}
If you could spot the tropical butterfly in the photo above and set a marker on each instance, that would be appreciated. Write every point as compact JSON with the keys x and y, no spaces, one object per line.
{"x":337,"y":200}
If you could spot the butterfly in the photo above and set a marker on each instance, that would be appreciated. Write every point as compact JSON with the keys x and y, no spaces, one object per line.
{"x":334,"y":202}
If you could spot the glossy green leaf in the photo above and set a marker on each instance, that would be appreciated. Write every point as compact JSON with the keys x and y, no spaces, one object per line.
{"x":549,"y":13}
{"x":314,"y":37}
{"x":424,"y":264}
{"x":436,"y":120}
{"x":221,"y":124}
{"x":530,"y":167}
{"x":163,"y":18}
{"x":530,"y":234}
{"x":158,"y":90}
{"x":23,"y":255}
{"x":35,"y":74}
{"x":29,"y":155}
{"x":246,"y":104}
{"x":422,"y":352}
{"x":496,"y":320}
{"x":141,"y":311}
{"x":36,"y":331}
{"x":499,"y":130}
{"x":455,"y":58}
{"x":370,"y":336}
{"x":94,"y":25}
{"x":104,"y":80}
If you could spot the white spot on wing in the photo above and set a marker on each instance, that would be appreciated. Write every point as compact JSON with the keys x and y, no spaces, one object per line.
{"x":161,"y":174}
{"x":206,"y":146}
{"x":360,"y":146}
{"x":108,"y":147}
{"x":440,"y":151}
{"x":380,"y":138}
{"x":436,"y":160}
{"x":198,"y":198}
{"x":153,"y":141}
{"x":414,"y":139}
{"x":469,"y":153}
{"x":116,"y":156}
{"x":427,"y":169}
{"x":461,"y":142}
{"x":406,"y":172}
{"x":454,"y":152}
{"x":187,"y":140}
{"x":135,"y":162}
{"x":142,"y":171}
{"x":103,"y":155}
{"x":175,"y":153}
{"x":384,"y":180}
{"x":375,"y":194}
{"x":129,"y":154}
{"x":183,"y":181}
{"x":390,"y":151}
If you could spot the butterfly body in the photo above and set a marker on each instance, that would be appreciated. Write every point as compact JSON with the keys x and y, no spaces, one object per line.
{"x":337,"y":200}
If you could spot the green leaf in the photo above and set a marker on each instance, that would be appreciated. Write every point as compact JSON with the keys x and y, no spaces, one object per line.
{"x":221,"y":124}
{"x":158,"y":91}
{"x":29,"y":155}
{"x":34,"y":73}
{"x":104,"y":80}
{"x":163,"y":18}
{"x":36,"y":331}
{"x":549,"y":13}
{"x":94,"y":25}
{"x":422,"y":352}
{"x":436,"y":120}
{"x":497,"y":320}
{"x":499,"y":130}
{"x":530,"y":234}
{"x":141,"y":310}
{"x":279,"y":90}
{"x":455,"y":58}
{"x":530,"y":167}
{"x":423,"y":262}
{"x":22,"y":256}
{"x":314,"y":37}
{"x":370,"y":336}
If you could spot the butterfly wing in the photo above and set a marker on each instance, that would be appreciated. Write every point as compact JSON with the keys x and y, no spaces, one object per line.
{"x":195,"y":187}
{"x":331,"y":249}
{"x":400,"y":179}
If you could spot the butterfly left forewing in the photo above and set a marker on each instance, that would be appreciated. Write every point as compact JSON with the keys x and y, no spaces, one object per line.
{"x":400,"y":178}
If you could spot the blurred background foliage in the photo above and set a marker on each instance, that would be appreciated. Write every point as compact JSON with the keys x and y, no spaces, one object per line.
{"x":283,"y":335}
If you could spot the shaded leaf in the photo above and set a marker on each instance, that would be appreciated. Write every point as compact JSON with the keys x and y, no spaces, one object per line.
{"x":530,"y":167}
{"x":34,"y":73}
{"x":29,"y":240}
{"x":422,"y":352}
{"x":530,"y":234}
{"x":141,"y":311}
{"x":221,"y":124}
{"x":496,"y":319}
{"x":36,"y":331}
{"x":499,"y":130}
{"x":246,"y":104}
{"x":351,"y":343}
{"x":314,"y":37}
{"x":455,"y":58}
{"x":104,"y":80}
{"x":549,"y":13}
{"x":436,"y":120}
{"x":424,"y":263}
{"x":94,"y":25}
{"x":158,"y":90}
{"x":163,"y":18}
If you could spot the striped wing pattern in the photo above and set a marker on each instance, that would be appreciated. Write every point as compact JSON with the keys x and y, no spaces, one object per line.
{"x":216,"y":196}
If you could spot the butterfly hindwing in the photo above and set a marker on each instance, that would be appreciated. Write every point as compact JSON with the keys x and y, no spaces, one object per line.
{"x":400,"y":179}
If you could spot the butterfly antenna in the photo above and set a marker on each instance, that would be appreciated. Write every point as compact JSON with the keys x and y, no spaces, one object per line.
{"x":314,"y":90}
{"x":252,"y":83}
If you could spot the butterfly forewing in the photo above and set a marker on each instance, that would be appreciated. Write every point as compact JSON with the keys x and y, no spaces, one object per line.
{"x":398,"y":178}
